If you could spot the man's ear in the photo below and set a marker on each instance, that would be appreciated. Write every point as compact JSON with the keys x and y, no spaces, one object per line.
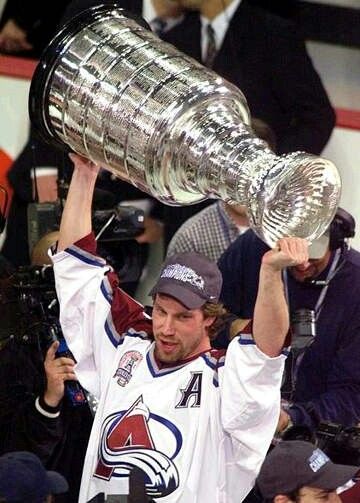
{"x":281,"y":498}
{"x":209,"y":320}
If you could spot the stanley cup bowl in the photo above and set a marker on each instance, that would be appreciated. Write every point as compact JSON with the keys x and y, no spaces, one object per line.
{"x":109,"y":89}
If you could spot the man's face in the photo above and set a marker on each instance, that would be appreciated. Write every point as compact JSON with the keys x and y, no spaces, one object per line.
{"x":179,"y":332}
{"x":188,"y":4}
{"x":314,"y":495}
{"x":167,"y":8}
{"x":310,"y":270}
{"x":239,"y":209}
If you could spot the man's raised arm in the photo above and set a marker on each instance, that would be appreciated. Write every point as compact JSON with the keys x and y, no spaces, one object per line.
{"x":271,"y":314}
{"x":76,"y":217}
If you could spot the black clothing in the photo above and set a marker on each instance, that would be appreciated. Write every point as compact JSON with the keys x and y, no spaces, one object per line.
{"x":37,"y":20}
{"x":36,"y":153}
{"x":262,"y":55}
{"x":59,"y":442}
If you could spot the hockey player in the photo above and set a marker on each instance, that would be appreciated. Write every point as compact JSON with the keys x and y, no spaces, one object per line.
{"x":197,"y":422}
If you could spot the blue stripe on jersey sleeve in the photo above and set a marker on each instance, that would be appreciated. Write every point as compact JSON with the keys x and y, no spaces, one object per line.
{"x":105,"y":291}
{"x":115,"y":340}
{"x":245,"y":339}
{"x":86,"y":257}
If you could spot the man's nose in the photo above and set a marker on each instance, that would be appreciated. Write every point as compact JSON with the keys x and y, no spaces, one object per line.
{"x":303,"y":267}
{"x":168,"y":326}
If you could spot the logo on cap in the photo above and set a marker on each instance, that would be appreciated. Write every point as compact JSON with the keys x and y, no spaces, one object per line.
{"x":184,"y":274}
{"x":317,"y":460}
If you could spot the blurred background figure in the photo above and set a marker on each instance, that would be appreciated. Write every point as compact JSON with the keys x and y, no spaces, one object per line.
{"x":23,"y":479}
{"x":322,"y":372}
{"x":298,"y":472}
{"x":26,"y":27}
{"x":43,"y":409}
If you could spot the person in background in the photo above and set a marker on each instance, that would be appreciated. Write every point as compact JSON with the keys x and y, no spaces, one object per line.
{"x":263,"y":55}
{"x":27,"y":27}
{"x":23,"y":479}
{"x":36,"y":412}
{"x":323,"y":374}
{"x":298,"y":472}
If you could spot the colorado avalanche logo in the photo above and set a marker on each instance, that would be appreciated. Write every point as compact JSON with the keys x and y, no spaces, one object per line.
{"x":126,"y":442}
{"x":127,"y":364}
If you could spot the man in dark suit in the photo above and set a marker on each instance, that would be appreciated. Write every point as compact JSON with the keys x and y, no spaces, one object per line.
{"x":262,"y":55}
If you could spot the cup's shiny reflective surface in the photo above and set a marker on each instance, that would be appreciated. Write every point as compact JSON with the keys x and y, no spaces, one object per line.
{"x":112,"y":91}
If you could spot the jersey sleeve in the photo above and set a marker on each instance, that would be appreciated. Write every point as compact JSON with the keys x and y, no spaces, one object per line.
{"x":250,"y":384}
{"x":95,"y":314}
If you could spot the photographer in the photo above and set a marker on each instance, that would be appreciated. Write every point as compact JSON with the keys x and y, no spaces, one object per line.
{"x":36,"y":414}
{"x":298,"y":472}
{"x":323,"y":375}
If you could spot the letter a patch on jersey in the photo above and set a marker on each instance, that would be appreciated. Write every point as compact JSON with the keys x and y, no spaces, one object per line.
{"x":191,"y":394}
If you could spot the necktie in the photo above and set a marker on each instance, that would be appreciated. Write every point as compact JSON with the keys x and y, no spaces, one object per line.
{"x":211,"y":47}
{"x":158,"y":25}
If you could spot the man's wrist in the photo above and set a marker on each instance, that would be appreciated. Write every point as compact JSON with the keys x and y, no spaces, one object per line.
{"x":51,"y":401}
{"x":46,"y":410}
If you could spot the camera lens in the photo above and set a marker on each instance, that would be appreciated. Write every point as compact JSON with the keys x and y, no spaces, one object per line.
{"x":303,"y":325}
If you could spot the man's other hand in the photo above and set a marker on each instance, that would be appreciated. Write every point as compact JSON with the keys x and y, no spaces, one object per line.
{"x":84,"y":165}
{"x":288,"y":252}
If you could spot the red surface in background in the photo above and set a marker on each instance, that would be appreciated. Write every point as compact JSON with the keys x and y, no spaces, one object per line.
{"x":5,"y":163}
{"x":22,"y":68}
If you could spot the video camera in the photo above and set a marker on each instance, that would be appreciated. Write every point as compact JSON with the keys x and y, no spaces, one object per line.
{"x":30,"y":316}
{"x":118,"y":224}
{"x":115,"y":230}
{"x":29,"y":306}
{"x":340,"y":443}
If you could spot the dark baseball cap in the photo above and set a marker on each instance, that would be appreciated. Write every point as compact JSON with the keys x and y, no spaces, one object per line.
{"x":190,"y":278}
{"x":24,"y":478}
{"x":294,"y":464}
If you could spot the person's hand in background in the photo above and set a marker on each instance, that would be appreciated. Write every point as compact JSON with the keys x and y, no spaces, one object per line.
{"x":153,"y":231}
{"x":13,"y":39}
{"x":58,"y":370}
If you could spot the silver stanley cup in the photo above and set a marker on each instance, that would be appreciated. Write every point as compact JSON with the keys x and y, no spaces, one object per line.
{"x":111,"y":90}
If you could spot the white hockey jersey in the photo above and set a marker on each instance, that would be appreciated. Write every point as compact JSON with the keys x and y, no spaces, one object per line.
{"x":198,"y":430}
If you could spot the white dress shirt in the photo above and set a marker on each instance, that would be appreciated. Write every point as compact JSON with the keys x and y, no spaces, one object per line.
{"x":149,"y":14}
{"x":220,"y":25}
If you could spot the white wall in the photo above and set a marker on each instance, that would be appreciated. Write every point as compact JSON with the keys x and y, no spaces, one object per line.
{"x":14,"y":122}
{"x":339,"y":3}
{"x":2,"y":5}
{"x":339,"y":68}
